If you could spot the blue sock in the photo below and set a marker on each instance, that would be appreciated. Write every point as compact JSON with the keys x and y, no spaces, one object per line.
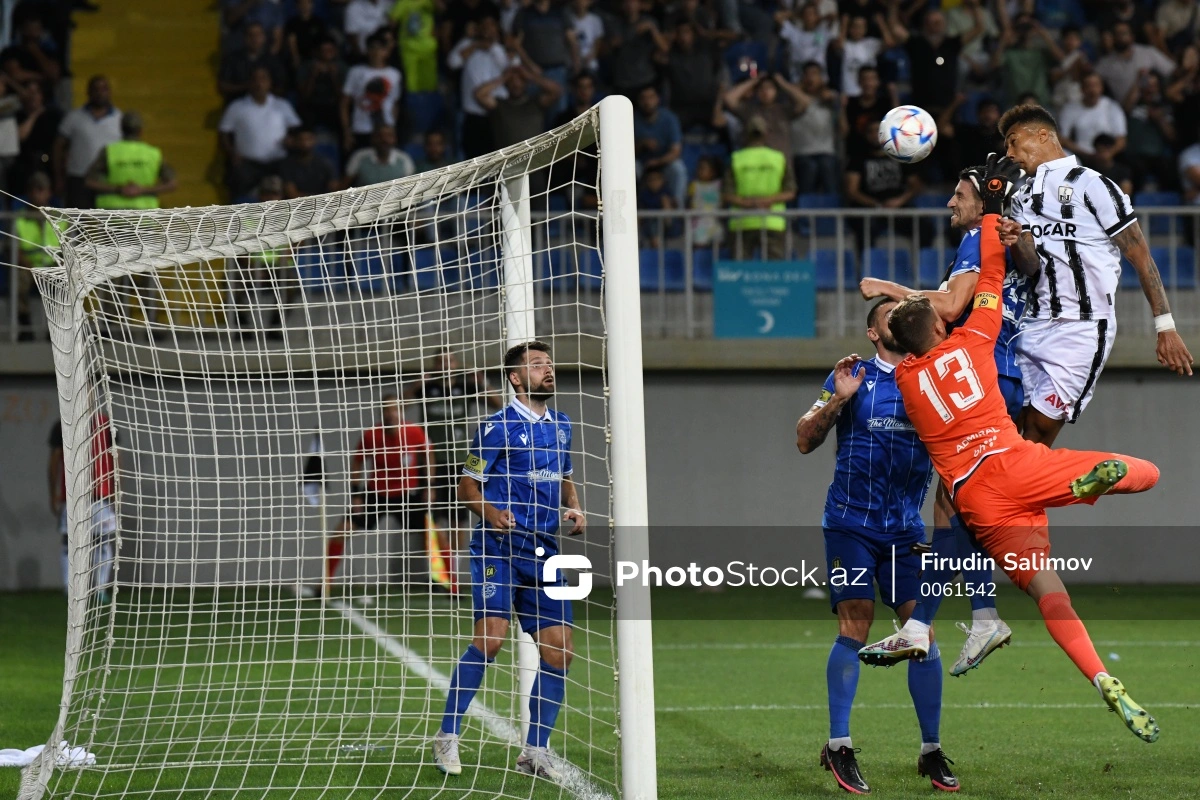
{"x":925,"y":686}
{"x":841,"y":674}
{"x":944,"y":546}
{"x":549,"y":686}
{"x":464,"y":683}
{"x":977,"y":579}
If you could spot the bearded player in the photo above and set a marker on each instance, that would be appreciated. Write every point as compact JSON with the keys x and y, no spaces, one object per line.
{"x":1002,"y":484}
{"x":516,"y":478}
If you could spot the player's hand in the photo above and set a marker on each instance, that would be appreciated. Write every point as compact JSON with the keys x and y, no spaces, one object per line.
{"x":996,"y":182}
{"x":1010,"y":231}
{"x":871,"y":288}
{"x":500,"y":520}
{"x":845,"y":381}
{"x":579,"y":520}
{"x":1173,"y":353}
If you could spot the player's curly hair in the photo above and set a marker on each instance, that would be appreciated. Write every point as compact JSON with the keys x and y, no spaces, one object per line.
{"x":1029,"y":114}
{"x":911,"y":323}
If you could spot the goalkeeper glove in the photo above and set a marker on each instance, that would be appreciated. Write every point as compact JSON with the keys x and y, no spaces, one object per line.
{"x":996,"y":181}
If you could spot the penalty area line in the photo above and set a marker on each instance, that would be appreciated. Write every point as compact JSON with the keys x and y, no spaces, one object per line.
{"x":574,"y":780}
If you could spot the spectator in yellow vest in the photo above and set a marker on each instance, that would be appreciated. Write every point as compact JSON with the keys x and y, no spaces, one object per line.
{"x":36,"y":237}
{"x":130,"y":173}
{"x":759,"y":177}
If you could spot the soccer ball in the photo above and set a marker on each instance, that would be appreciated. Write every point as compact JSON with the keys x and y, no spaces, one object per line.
{"x":907,"y":134}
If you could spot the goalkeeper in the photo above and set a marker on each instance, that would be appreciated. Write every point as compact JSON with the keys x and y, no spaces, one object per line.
{"x":515,"y":479}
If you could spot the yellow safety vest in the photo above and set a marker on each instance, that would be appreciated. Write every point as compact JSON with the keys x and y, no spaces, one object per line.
{"x":759,"y":172}
{"x":131,"y":162}
{"x":36,"y":234}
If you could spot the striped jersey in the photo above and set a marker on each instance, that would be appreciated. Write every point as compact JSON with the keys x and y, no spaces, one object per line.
{"x":521,"y":460}
{"x":882,"y":471}
{"x":1073,"y":212}
{"x":1014,"y":299}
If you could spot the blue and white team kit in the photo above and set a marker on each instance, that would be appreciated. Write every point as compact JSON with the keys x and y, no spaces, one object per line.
{"x":520,"y":459}
{"x":864,"y":519}
{"x":1015,"y":298}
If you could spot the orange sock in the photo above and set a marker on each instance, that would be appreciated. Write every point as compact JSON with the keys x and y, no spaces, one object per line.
{"x":333,"y":555}
{"x":1142,"y":476}
{"x":1066,"y":629}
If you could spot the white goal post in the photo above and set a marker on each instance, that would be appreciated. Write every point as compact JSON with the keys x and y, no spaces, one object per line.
{"x":216,"y":364}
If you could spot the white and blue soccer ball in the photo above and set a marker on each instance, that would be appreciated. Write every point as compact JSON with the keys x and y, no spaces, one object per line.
{"x":908,"y":134}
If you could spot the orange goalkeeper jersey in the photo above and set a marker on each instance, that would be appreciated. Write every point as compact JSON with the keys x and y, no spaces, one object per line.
{"x":951,"y":393}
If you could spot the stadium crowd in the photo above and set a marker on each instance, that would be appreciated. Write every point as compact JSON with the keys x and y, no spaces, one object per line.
{"x":324,"y":94}
{"x":384,"y":87}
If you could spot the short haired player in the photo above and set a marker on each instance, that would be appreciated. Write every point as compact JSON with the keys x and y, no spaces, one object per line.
{"x":1001,"y":483}
{"x":950,"y":539}
{"x":1070,"y":226}
{"x":516,"y":479}
{"x":872,"y":510}
{"x":390,"y":476}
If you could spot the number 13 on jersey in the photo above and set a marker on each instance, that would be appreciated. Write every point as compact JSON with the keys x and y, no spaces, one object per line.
{"x":964,"y":377}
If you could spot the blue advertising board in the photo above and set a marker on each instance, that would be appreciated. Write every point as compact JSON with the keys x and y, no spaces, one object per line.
{"x":764,"y":299}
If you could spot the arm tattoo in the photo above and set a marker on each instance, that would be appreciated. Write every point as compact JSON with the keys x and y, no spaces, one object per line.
{"x":1132,"y":245}
{"x":816,"y":424}
{"x":1024,"y":255}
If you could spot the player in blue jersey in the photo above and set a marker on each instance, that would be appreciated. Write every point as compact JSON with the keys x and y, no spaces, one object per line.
{"x":872,"y":510}
{"x":515,"y":480}
{"x":951,"y":540}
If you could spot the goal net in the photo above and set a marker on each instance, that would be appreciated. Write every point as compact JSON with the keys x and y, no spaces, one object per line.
{"x":248,"y":614}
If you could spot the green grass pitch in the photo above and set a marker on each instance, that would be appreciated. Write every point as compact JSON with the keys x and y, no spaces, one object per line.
{"x":740,"y":691}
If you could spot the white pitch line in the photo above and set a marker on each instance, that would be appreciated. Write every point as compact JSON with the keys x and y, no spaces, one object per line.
{"x":574,"y":781}
{"x":826,"y":645}
{"x":823,"y":706}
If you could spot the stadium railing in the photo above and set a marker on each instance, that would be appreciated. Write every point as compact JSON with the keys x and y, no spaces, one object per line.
{"x":677,"y":263}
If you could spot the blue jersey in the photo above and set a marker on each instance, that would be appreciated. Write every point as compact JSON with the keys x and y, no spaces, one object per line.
{"x":882,"y":471}
{"x":1015,"y":296}
{"x":521,"y":460}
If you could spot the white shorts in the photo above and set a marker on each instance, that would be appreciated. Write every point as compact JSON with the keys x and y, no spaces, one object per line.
{"x":1061,"y":361}
{"x":103,"y":524}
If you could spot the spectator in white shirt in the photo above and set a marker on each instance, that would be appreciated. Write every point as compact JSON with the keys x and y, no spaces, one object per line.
{"x":82,"y":134}
{"x":1095,"y":114}
{"x":1189,"y":174}
{"x":369,"y":96}
{"x":589,"y":30}
{"x":363,"y":19}
{"x":857,"y":51}
{"x":807,"y":37}
{"x":253,"y":131}
{"x":482,"y":60}
{"x":1121,"y":67}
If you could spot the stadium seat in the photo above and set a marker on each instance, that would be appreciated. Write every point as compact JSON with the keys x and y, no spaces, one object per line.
{"x":432,"y":269}
{"x":371,"y":270}
{"x":702,"y":269}
{"x":483,"y":268}
{"x":1179,"y":275}
{"x":425,"y":110}
{"x":415,"y":150}
{"x":932,"y":268}
{"x":826,"y":266}
{"x":319,"y":265}
{"x":876,"y":265}
{"x":1159,"y":224}
{"x":328,"y":147}
{"x":826,"y":226}
{"x":590,"y":269}
{"x":661,"y":270}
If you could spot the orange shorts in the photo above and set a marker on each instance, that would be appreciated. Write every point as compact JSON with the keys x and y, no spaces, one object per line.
{"x":1004,"y":502}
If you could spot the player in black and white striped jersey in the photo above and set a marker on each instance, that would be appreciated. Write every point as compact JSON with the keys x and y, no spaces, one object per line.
{"x":1070,"y":226}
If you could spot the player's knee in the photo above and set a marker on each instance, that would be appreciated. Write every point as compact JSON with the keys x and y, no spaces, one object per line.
{"x":556,"y":647}
{"x":490,"y":634}
{"x":559,"y":658}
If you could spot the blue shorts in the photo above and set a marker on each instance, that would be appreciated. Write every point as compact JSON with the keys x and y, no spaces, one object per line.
{"x":501,"y":584}
{"x":865,"y":559}
{"x":1014,"y":395}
